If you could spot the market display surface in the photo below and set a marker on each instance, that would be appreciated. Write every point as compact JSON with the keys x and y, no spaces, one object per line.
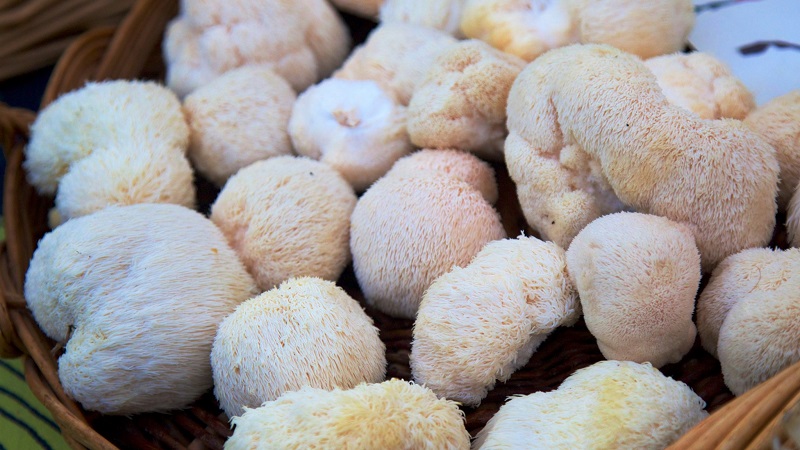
{"x":487,"y":224}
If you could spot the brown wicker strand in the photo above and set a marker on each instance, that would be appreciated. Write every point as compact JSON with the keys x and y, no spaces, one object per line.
{"x":129,"y":50}
{"x":71,"y":425}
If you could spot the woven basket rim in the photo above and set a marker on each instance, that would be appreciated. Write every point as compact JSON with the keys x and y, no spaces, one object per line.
{"x":109,"y":53}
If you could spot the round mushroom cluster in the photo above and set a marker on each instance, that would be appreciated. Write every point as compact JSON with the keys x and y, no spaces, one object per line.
{"x":348,"y":196}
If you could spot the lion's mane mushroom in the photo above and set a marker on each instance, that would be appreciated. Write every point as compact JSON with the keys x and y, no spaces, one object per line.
{"x":778,"y":122}
{"x":306,"y":332}
{"x":406,"y":232}
{"x":126,"y":174}
{"x":608,"y":405}
{"x":111,"y":143}
{"x":396,"y":56}
{"x":390,"y":415}
{"x":442,"y":15}
{"x":462,"y":101}
{"x":303,"y":41}
{"x":136,"y":293}
{"x":748,"y":315}
{"x":702,"y":84}
{"x":287,"y":217}
{"x":528,"y":28}
{"x":589,"y":127}
{"x":352,"y":125}
{"x":453,"y":163}
{"x":637,"y":276}
{"x":480,"y":323}
{"x":238,"y":119}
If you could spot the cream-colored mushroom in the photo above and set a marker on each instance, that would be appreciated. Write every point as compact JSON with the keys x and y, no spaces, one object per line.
{"x":637,"y":276}
{"x":778,"y":122}
{"x":306,"y":332}
{"x":393,"y":414}
{"x":462,"y":101}
{"x":352,"y":125}
{"x":702,"y":84}
{"x":608,"y":405}
{"x":111,"y":143}
{"x":590,"y":128}
{"x":442,"y":15}
{"x":125,"y":174}
{"x":98,"y":116}
{"x":136,"y":294}
{"x":238,"y":119}
{"x":406,"y":232}
{"x":528,"y":28}
{"x":748,"y":315}
{"x":287,"y":217}
{"x":453,"y":163}
{"x":480,"y":323}
{"x":397,"y":57}
{"x":303,"y":41}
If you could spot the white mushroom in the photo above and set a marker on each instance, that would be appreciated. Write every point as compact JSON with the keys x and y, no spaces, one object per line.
{"x":390,"y":415}
{"x":287,"y":217}
{"x":452,"y":163}
{"x":480,"y":323}
{"x":351,"y":125}
{"x":637,"y":276}
{"x":136,"y":293}
{"x":406,"y":232}
{"x":238,"y":119}
{"x":748,"y":315}
{"x":306,"y":332}
{"x":608,"y":405}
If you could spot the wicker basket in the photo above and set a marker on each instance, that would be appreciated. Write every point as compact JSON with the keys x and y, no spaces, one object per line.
{"x":35,"y":33}
{"x":132,"y":51}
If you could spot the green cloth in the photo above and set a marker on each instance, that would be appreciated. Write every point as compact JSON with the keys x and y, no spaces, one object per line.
{"x":24,"y":422}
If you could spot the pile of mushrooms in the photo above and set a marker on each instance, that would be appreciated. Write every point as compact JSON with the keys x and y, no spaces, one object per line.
{"x":638,"y":170}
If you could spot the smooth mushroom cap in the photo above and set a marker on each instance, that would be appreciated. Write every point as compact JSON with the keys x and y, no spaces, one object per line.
{"x":364,"y":8}
{"x":748,"y":314}
{"x":353,"y":126}
{"x":637,"y":276}
{"x":397,"y":57}
{"x":390,"y":415}
{"x":733,"y":280}
{"x":454,"y":163}
{"x":126,"y":174}
{"x":306,"y":332}
{"x":702,"y":84}
{"x":98,"y":116}
{"x":610,"y":404}
{"x":303,"y":41}
{"x":778,"y":122}
{"x":442,"y":15}
{"x":481,"y":323}
{"x":462,"y":101}
{"x":588,"y":117}
{"x":238,"y":119}
{"x":406,"y":232}
{"x":287,"y":217}
{"x":528,"y":29}
{"x":138,"y":324}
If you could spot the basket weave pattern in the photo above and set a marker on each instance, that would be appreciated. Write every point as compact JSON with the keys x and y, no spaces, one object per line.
{"x":34,"y":33}
{"x":131,"y":51}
